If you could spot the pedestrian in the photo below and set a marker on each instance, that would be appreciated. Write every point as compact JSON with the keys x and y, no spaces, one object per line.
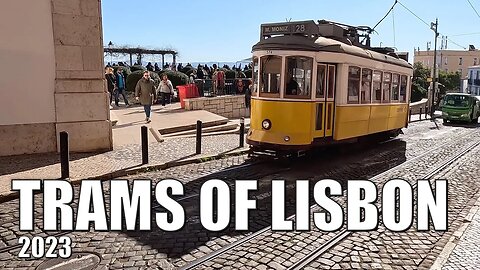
{"x":146,"y":94}
{"x":120,"y":87}
{"x":248,"y":94}
{"x":149,"y":66}
{"x":166,"y":89}
{"x":239,"y":87}
{"x":110,"y":82}
{"x":157,"y":68}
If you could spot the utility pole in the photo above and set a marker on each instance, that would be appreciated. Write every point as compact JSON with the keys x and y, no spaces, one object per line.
{"x":434,"y":27}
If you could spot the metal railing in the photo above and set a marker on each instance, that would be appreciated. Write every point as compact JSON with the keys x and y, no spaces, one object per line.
{"x":207,"y":88}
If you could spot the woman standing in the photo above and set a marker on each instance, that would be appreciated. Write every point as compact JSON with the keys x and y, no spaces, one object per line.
{"x":110,"y":81}
{"x":165,"y":88}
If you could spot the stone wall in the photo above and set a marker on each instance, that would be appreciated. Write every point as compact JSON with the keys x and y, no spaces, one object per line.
{"x":226,"y":106}
{"x":416,"y":106}
{"x":70,"y":94}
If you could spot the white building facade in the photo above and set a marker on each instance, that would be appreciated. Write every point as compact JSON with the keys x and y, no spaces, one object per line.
{"x":474,"y":80}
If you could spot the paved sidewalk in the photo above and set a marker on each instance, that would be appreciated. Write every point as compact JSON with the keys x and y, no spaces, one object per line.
{"x":463,"y":249}
{"x":171,"y":152}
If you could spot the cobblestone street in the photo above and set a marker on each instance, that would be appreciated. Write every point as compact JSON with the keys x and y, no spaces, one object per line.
{"x":412,"y":156}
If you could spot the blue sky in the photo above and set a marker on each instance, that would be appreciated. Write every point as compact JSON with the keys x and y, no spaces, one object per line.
{"x":214,"y":30}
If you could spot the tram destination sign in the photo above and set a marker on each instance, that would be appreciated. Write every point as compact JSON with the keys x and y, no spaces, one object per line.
{"x":303,"y":27}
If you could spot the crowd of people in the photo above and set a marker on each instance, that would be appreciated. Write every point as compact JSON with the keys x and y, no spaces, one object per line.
{"x":147,"y":94}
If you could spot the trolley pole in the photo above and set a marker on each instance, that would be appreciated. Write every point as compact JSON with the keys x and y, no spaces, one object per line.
{"x":434,"y":27}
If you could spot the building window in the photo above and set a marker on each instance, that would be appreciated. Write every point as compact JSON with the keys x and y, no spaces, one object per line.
{"x":446,"y":60}
{"x":478,"y":74}
{"x":475,"y":61}
{"x":460,"y":61}
{"x":353,"y":84}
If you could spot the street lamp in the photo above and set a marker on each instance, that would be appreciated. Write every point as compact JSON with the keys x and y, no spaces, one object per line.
{"x":110,"y":47}
{"x":434,"y":27}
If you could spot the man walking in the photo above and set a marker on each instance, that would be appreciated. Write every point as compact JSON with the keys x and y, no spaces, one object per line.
{"x":120,"y":84}
{"x":145,"y":92}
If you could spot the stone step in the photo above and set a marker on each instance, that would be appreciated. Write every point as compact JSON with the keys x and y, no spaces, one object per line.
{"x":224,"y":127}
{"x":193,"y":127}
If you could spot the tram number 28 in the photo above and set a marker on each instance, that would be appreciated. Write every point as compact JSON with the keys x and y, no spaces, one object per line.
{"x":300,"y":28}
{"x":45,"y":247}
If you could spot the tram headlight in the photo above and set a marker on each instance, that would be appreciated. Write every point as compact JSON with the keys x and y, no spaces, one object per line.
{"x":287,"y":139}
{"x":266,"y":124}
{"x":465,"y":115}
{"x":445,"y":113}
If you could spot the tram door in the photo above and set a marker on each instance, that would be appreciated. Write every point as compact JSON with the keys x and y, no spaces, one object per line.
{"x":325,"y":100}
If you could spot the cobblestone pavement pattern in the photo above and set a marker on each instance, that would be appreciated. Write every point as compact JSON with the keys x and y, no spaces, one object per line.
{"x":86,"y":166}
{"x":164,"y":250}
{"x":466,"y":255}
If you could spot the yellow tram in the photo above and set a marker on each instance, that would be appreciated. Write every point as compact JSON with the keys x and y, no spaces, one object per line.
{"x":317,"y":84}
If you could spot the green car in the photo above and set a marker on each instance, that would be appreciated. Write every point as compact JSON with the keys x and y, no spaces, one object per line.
{"x":460,"y":107}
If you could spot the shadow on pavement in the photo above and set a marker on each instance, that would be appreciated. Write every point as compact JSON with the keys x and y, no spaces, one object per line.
{"x":359,"y":164}
{"x":21,"y":163}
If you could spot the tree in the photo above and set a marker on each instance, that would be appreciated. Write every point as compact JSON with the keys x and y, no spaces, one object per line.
{"x":420,"y":83}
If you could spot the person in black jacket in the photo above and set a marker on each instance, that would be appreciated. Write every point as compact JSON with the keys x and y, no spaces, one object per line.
{"x":110,"y":82}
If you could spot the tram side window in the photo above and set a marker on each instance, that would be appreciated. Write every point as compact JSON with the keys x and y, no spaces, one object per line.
{"x":403,"y":88}
{"x":387,"y":84}
{"x":395,"y":82}
{"x":353,"y":84}
{"x":331,"y":81}
{"x":366,"y":85}
{"x":255,"y":75}
{"x":377,"y":87}
{"x":271,"y":67}
{"x":299,"y":76}
{"x":321,"y":78}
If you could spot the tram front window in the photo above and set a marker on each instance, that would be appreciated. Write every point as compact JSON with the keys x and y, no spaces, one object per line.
{"x":271,"y":67}
{"x":298,"y":82}
{"x":255,"y":75}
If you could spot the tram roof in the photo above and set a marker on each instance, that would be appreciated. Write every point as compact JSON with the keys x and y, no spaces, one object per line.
{"x":323,"y":44}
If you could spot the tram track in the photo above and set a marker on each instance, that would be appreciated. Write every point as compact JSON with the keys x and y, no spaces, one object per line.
{"x":247,"y":167}
{"x":343,"y":233}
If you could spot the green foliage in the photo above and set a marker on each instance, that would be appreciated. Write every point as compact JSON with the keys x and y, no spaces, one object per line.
{"x":420,"y":75}
{"x":418,"y":92}
{"x":137,"y":67}
{"x":449,"y":80}
{"x":248,"y":73}
{"x":135,"y":76}
{"x":176,"y":77}
{"x":230,"y":74}
{"x":187,"y":69}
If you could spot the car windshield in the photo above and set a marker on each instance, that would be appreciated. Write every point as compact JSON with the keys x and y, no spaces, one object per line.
{"x":457,"y":100}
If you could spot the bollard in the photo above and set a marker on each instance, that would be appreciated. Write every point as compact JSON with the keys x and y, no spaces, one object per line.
{"x":420,"y":114}
{"x":199,"y":137}
{"x":410,"y":116}
{"x":64,"y":155}
{"x":144,"y":145}
{"x":242,"y":131}
{"x":426,"y":111}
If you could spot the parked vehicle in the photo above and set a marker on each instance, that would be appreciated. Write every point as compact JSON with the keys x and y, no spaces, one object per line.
{"x":460,"y":107}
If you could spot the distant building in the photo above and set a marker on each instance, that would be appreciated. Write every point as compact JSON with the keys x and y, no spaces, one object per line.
{"x":450,"y":60}
{"x":474,"y":80}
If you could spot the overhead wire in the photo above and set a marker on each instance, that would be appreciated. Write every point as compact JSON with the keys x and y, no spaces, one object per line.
{"x":473,"y":8}
{"x":394,"y":38}
{"x":429,"y":26}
